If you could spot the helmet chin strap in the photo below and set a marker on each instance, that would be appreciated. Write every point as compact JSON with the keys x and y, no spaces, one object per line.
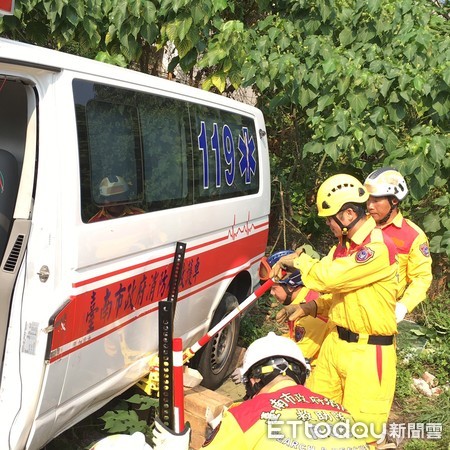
{"x":289,"y":293}
{"x":388,"y":215}
{"x":346,"y":228}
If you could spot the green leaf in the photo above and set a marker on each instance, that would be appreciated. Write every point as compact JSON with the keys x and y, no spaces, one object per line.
{"x":184,"y":47}
{"x":396,"y":112}
{"x":431,"y":223}
{"x":183,"y":27}
{"x":263,"y":83}
{"x":284,"y":42}
{"x":219,"y":81}
{"x":343,"y":84}
{"x":313,"y":147}
{"x":149,"y":12}
{"x":324,"y":101}
{"x":172,"y":31}
{"x":149,"y":32}
{"x":413,"y":162}
{"x":442,"y":201}
{"x":438,"y":149}
{"x":329,"y":66}
{"x":442,"y":103}
{"x":373,"y":6}
{"x":341,"y":118}
{"x":358,"y":102}
{"x":385,"y":86}
{"x":332,"y":150}
{"x":134,"y":8}
{"x":372,"y":145}
{"x":72,"y":16}
{"x":425,"y":173}
{"x":377,"y":115}
{"x":330,"y":131}
{"x":314,"y":79}
{"x":346,"y":37}
{"x":120,"y":13}
{"x":89,"y":26}
{"x":446,"y":75}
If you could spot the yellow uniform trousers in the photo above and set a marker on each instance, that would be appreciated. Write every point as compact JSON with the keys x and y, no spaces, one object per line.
{"x":358,"y":375}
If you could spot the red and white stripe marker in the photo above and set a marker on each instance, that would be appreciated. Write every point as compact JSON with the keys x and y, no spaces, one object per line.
{"x":178,"y":388}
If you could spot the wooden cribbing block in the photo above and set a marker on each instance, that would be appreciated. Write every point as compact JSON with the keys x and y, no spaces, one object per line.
{"x":197,"y":402}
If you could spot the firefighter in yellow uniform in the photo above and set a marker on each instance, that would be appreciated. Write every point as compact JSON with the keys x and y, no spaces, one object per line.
{"x":357,"y":363}
{"x":279,"y":412}
{"x":387,"y":188}
{"x":308,"y":332}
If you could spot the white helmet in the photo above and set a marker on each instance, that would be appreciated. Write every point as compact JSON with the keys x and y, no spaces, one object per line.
{"x":120,"y":441}
{"x":271,"y":346}
{"x":113,"y":185}
{"x":385,"y":182}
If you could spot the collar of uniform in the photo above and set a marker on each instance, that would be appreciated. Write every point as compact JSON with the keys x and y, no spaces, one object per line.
{"x":364,"y":230}
{"x":282,"y":384}
{"x":397,"y":222}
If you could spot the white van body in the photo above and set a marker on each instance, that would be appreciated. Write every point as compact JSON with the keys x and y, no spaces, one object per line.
{"x":78,"y":299}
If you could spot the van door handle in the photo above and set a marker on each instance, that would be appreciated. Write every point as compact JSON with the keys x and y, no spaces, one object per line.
{"x":44,"y":273}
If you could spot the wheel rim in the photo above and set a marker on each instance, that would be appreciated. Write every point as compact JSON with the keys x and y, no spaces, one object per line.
{"x":221,"y":347}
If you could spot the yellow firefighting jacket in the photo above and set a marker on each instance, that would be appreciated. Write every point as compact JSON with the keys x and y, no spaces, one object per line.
{"x":284,"y":418}
{"x":362,"y":278}
{"x":414,"y":260}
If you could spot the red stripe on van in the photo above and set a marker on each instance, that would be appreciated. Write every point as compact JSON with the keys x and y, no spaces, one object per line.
{"x":91,"y":311}
{"x":233,"y":233}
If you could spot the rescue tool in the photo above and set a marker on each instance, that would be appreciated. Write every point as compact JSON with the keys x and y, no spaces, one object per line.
{"x":190,"y":352}
{"x":166,"y":316}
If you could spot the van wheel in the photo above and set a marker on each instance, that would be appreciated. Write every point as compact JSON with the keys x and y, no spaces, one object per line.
{"x":217,"y":355}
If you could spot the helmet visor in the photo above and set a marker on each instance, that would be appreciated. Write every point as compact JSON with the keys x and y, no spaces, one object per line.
{"x":264,"y":269}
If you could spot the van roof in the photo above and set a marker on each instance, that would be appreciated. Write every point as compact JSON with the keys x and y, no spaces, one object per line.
{"x":20,"y":53}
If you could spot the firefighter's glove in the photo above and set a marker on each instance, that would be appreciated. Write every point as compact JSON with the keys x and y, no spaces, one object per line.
{"x":284,"y":313}
{"x":400,"y":311}
{"x":285,"y":264}
{"x":295,"y":312}
{"x":236,"y":376}
{"x":166,"y":439}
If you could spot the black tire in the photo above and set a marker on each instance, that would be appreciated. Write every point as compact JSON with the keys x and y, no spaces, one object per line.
{"x":215,"y":358}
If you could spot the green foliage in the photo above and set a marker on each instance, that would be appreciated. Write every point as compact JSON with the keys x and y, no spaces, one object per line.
{"x":345,"y":85}
{"x":359,"y":88}
{"x":259,"y":321}
{"x":127,"y":421}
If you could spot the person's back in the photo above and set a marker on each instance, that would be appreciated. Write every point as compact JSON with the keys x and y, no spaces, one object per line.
{"x":288,"y":416}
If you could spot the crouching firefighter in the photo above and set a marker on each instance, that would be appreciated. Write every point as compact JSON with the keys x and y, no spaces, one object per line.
{"x":278,"y":411}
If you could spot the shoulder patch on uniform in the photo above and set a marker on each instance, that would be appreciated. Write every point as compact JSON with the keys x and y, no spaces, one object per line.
{"x":425,"y":249}
{"x":211,"y":436}
{"x":299,"y":333}
{"x":364,"y":255}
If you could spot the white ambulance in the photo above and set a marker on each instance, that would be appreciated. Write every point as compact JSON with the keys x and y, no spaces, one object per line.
{"x":102,"y":171}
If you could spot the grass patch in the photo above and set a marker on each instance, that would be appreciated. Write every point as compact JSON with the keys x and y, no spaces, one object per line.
{"x":425,"y":347}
